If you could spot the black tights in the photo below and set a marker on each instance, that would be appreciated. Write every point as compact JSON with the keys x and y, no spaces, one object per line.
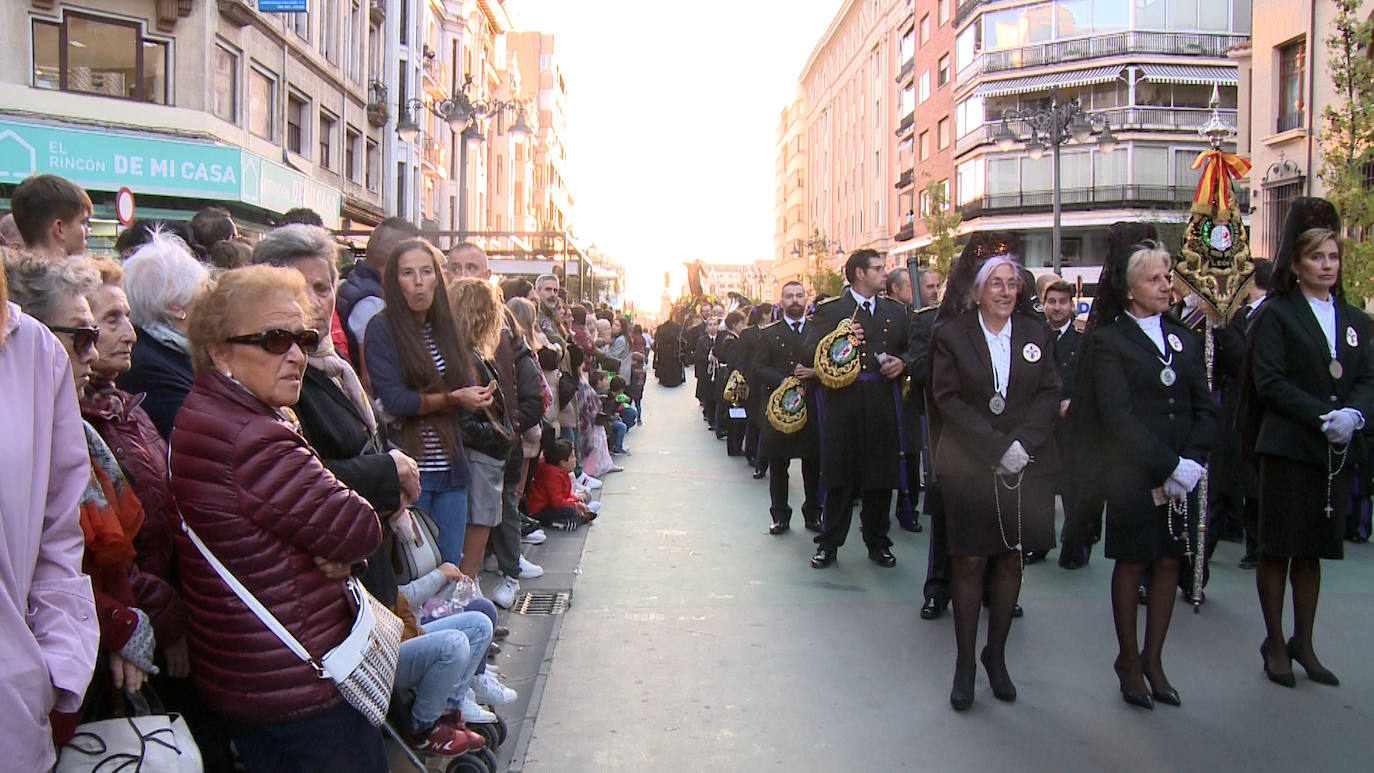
{"x":1003,"y":586}
{"x":1133,"y":664}
{"x":1271,"y":577}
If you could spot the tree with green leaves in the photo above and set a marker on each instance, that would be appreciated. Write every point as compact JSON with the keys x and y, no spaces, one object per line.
{"x":826,"y":280}
{"x":942,"y":221}
{"x":1347,"y":142}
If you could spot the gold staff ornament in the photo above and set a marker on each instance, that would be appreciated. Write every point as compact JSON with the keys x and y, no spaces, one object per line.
{"x":837,"y":356}
{"x":787,"y":406}
{"x":736,"y":389}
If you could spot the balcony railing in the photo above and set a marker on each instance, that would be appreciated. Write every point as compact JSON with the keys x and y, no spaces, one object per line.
{"x":904,"y":127}
{"x":905,"y":234}
{"x":1134,"y":196}
{"x":1187,"y":119}
{"x":905,"y":179}
{"x":436,"y":76}
{"x":1115,"y":44}
{"x":908,"y":67}
{"x":431,"y":152}
{"x":1289,"y":121}
{"x":964,"y":9}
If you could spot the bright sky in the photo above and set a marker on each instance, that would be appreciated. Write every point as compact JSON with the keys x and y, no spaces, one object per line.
{"x":673,"y":112}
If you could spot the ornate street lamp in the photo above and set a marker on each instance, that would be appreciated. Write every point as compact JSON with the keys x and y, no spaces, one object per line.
{"x":1049,"y":128}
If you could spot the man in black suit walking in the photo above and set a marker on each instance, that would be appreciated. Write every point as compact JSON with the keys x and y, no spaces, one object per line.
{"x":859,"y":439}
{"x":778,"y":354}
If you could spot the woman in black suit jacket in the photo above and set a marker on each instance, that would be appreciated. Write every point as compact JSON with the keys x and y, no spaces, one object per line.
{"x":1311,"y":376}
{"x":995,"y":392}
{"x":1153,"y":413}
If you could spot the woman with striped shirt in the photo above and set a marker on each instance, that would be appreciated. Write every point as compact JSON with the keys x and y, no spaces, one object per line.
{"x":410,"y":346}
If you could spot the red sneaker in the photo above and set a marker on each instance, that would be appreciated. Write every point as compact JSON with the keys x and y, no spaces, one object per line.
{"x":445,"y":740}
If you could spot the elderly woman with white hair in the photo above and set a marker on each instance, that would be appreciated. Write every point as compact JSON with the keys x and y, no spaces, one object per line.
{"x":994,"y":394}
{"x":161,"y":278}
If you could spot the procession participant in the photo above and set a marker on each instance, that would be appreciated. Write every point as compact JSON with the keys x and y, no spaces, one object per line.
{"x":779,"y":355}
{"x":859,"y":438}
{"x":1245,"y":484}
{"x":1146,"y":399}
{"x":1312,"y":379}
{"x":668,"y":354}
{"x":705,"y":371}
{"x":995,"y":390}
{"x":980,"y":246}
{"x":1058,"y":298}
{"x":728,"y":353}
{"x":749,"y":344}
{"x":899,"y":288}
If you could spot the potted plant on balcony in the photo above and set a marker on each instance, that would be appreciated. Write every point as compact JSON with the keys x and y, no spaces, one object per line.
{"x":377,"y":114}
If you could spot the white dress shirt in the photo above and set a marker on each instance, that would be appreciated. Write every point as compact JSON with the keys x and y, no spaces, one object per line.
{"x":999,"y":349}
{"x":859,"y":299}
{"x":1152,"y":329}
{"x":1325,"y":312}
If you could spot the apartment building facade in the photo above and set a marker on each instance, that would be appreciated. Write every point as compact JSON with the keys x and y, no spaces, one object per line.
{"x":925,"y":130}
{"x":210,"y":102}
{"x":791,"y":225}
{"x":850,"y":98}
{"x":1148,"y":67}
{"x":1285,"y":83}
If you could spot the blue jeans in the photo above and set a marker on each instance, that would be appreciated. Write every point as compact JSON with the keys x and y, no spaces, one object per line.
{"x":487,"y":608}
{"x":629,"y":415}
{"x":448,"y":506}
{"x":441,"y":663}
{"x":615,"y":435}
{"x":339,"y":739}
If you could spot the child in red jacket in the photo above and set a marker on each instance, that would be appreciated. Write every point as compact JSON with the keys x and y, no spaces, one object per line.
{"x":550,"y":498}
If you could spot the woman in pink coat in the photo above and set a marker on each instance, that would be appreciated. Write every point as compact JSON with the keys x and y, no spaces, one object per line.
{"x":48,"y":632}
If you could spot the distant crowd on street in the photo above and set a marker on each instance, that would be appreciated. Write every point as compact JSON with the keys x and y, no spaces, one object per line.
{"x":254,"y":486}
{"x":980,"y":396}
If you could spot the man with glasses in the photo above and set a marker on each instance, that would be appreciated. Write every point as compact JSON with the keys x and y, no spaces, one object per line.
{"x":859,"y":430}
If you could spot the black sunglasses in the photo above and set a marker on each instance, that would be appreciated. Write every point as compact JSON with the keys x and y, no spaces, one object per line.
{"x":83,"y":338}
{"x":278,"y":341}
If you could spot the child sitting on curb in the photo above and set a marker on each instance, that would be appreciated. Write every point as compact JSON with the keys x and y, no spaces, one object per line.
{"x":550,"y":498}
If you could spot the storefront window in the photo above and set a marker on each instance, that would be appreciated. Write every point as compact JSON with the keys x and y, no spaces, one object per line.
{"x":94,"y":55}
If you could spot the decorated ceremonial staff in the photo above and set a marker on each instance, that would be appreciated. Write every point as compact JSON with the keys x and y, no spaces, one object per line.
{"x":1144,"y":405}
{"x":1214,"y":274}
{"x":859,"y":344}
{"x":1309,"y":387}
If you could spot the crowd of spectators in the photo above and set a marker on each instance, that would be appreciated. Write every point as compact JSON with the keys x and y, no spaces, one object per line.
{"x":209,"y":415}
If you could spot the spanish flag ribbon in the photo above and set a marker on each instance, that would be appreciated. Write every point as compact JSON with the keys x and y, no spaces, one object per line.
{"x":1218,"y":169}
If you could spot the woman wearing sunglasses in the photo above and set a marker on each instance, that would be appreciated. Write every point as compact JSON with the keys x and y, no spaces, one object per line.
{"x":54,"y":293}
{"x":417,"y":368}
{"x":265,"y":505}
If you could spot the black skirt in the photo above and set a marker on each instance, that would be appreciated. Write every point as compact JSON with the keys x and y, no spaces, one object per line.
{"x":1292,"y":509}
{"x":1141,"y":538}
{"x":971,"y":525}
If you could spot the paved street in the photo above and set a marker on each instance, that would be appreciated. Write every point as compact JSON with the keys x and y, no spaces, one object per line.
{"x":698,"y":642}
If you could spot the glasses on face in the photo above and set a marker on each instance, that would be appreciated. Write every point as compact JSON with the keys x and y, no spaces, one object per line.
{"x":279,"y":341}
{"x":999,"y":285}
{"x":83,"y":338}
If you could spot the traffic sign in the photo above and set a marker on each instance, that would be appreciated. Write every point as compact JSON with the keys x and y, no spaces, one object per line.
{"x":283,"y":6}
{"x":124,"y":206}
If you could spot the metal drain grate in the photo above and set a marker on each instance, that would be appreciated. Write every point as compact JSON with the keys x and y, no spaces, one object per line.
{"x":542,"y":603}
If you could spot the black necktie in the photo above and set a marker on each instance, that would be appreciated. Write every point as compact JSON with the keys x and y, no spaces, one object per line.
{"x":796,"y":327}
{"x":867,"y":308}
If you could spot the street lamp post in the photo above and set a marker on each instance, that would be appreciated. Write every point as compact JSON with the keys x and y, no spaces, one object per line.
{"x":463,"y":117}
{"x":1054,"y":126}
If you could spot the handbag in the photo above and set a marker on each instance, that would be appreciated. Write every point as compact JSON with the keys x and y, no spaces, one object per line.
{"x":416,"y":552}
{"x":363,"y":665}
{"x":144,"y":741}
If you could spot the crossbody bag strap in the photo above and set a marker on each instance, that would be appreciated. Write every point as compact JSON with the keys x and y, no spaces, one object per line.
{"x":245,"y":595}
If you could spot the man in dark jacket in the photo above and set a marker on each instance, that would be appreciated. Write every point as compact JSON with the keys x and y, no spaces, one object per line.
{"x":360,"y":294}
{"x":859,"y":437}
{"x":705,"y":371}
{"x":779,"y":355}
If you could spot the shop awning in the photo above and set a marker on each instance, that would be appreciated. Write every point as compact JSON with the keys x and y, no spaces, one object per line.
{"x":1192,"y":74}
{"x":1043,"y":81}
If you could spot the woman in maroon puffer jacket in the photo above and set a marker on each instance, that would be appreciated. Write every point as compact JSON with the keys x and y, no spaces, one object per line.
{"x":262,"y":502}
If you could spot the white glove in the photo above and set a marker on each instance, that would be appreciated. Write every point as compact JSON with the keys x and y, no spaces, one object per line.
{"x":1187,"y":473}
{"x":1339,"y":426}
{"x":1175,"y":490}
{"x":1015,"y":459}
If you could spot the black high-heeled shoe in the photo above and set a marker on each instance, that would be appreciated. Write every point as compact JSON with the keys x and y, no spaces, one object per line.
{"x":1320,"y":674}
{"x":1002,"y":687}
{"x":1140,"y":699}
{"x":1286,"y":680}
{"x":961,"y":695}
{"x":1168,"y":696}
